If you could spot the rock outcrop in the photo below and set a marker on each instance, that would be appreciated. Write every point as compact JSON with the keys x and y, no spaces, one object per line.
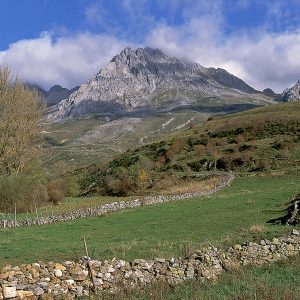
{"x":149,"y":79}
{"x":292,"y":216}
{"x":291,"y":94}
{"x":55,"y":94}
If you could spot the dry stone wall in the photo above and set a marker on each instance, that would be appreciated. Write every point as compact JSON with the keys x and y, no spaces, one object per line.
{"x":115,"y":206}
{"x":72,"y":279}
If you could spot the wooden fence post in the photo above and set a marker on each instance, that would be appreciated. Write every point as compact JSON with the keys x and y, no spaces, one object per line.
{"x":15,"y":214}
{"x":89,"y":265}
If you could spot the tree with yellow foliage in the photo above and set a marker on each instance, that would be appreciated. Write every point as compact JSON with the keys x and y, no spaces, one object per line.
{"x":21,"y":110}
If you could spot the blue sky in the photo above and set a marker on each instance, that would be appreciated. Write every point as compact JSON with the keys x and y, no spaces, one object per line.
{"x":67,"y":41}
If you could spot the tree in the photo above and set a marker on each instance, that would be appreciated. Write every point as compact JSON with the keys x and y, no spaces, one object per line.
{"x":21,"y":178}
{"x":214,"y":152}
{"x":20,"y":115}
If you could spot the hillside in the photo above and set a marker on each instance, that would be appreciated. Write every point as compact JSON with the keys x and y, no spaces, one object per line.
{"x":259,"y":140}
{"x":87,"y":140}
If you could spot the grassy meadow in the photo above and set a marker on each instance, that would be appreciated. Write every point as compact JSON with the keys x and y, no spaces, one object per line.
{"x":236,"y":214}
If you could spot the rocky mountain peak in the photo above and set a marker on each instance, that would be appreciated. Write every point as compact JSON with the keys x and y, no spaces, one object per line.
{"x":141,"y":62}
{"x":291,"y":94}
{"x":146,"y":78}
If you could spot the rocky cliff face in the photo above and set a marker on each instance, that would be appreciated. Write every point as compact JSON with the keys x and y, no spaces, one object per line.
{"x":58,"y":93}
{"x":55,"y":94}
{"x":291,"y":94}
{"x":147,"y":78}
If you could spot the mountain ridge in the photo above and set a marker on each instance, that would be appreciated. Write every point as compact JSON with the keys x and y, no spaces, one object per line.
{"x":147,"y":78}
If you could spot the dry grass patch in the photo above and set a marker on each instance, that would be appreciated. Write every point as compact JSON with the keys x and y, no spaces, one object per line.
{"x":257,"y":229}
{"x":192,"y":185}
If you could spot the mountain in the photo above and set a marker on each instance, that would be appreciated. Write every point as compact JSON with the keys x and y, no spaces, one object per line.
{"x":291,"y":94}
{"x":146,"y":79}
{"x":58,"y":93}
{"x":270,"y":93}
{"x":55,"y":94}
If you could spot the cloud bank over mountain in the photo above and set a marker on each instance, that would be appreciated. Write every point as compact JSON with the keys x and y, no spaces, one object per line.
{"x":67,"y":60}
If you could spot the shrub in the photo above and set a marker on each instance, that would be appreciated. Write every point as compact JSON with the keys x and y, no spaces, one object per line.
{"x":224,"y":163}
{"x":178,"y":167}
{"x":56,"y":190}
{"x":71,"y":186}
{"x":281,"y":145}
{"x":121,"y":184}
{"x":24,"y":192}
{"x":261,"y":165}
{"x":202,"y":140}
{"x":244,"y":147}
{"x":126,"y":160}
{"x":175,"y":148}
{"x":197,"y":165}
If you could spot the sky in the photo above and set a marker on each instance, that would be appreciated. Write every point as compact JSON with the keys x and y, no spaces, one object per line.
{"x":66,"y":42}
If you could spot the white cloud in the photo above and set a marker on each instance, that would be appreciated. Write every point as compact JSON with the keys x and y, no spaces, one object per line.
{"x":96,"y":13}
{"x":68,"y":61}
{"x":261,"y":58}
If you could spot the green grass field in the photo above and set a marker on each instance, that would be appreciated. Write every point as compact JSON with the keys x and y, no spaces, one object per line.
{"x":170,"y":229}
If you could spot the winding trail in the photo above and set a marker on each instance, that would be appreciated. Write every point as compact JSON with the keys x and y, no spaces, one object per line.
{"x":116,"y":206}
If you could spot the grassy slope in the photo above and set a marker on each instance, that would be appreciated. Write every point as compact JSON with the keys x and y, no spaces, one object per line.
{"x":263,"y":139}
{"x":84,"y":141}
{"x":169,"y":229}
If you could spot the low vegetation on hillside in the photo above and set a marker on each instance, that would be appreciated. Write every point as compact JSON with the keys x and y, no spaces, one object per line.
{"x":259,"y":140}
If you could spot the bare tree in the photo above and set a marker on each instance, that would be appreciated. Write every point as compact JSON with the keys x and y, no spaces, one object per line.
{"x":20,"y":113}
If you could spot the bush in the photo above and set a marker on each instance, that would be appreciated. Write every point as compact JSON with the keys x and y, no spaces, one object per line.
{"x":23,"y":191}
{"x":178,"y":167}
{"x":197,"y":165}
{"x":224,"y":163}
{"x":121,"y":184}
{"x":245,"y":147}
{"x":72,"y":188}
{"x":56,"y":190}
{"x":202,"y":140}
